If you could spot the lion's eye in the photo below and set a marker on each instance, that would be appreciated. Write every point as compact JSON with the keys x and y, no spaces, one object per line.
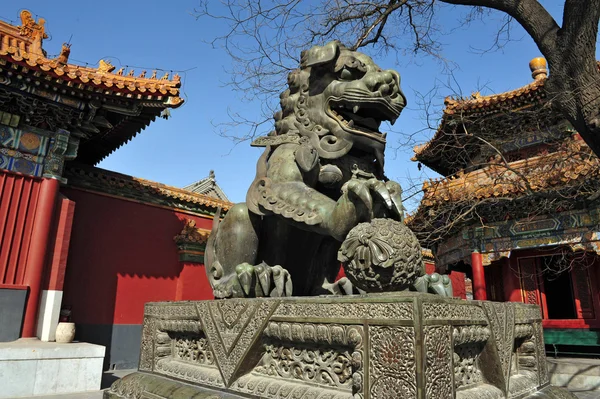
{"x":347,"y":74}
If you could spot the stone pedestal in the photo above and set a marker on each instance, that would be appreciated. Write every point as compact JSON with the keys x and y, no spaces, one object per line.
{"x":31,"y":367}
{"x":402,"y":345}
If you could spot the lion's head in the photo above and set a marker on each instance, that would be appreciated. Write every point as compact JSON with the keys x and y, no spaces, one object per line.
{"x":338,"y":99}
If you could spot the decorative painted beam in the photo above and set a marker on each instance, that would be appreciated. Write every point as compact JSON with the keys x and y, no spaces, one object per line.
{"x":191,"y":242}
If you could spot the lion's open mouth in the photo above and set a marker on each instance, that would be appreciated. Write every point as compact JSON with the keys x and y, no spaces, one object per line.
{"x":362,"y":118}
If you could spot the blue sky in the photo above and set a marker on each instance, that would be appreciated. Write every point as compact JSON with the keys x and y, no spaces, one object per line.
{"x":183,"y":149}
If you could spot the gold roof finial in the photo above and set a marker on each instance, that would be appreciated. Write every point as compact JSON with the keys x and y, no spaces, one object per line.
{"x":538,"y":68}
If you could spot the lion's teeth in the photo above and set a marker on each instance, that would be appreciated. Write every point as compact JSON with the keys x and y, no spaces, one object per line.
{"x":351,"y":123}
{"x":356,"y":108}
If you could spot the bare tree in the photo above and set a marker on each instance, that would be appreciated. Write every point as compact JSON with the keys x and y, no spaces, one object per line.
{"x":265,"y":37}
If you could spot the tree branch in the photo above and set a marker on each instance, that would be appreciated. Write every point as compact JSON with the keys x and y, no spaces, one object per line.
{"x":532,"y":16}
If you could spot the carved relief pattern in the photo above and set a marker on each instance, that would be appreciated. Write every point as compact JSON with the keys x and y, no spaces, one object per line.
{"x":266,"y":387}
{"x":162,"y":346}
{"x":453,"y":312}
{"x":466,"y":370}
{"x":325,"y":354}
{"x":438,"y":362}
{"x":541,"y":353}
{"x":192,"y":348}
{"x":502,"y":322}
{"x":470,"y":334}
{"x":130,"y":388}
{"x":468,"y":344}
{"x":527,"y":357}
{"x":523,"y":331}
{"x":317,"y":333}
{"x":182,"y":326}
{"x":393,"y":366}
{"x":255,"y":316}
{"x":168,"y":311}
{"x":398,"y":311}
{"x":324,"y":366}
{"x":526,"y":313}
{"x":189,"y":372}
{"x":230,"y":317}
{"x":229,"y":312}
{"x":147,"y":345}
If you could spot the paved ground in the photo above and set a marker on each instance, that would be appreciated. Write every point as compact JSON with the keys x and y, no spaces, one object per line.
{"x":107,"y":379}
{"x":111,"y":376}
{"x":588,"y":395}
{"x":98,"y":395}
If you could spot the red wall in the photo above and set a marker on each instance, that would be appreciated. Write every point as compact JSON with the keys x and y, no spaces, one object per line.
{"x":122,"y":255}
{"x":18,"y":200}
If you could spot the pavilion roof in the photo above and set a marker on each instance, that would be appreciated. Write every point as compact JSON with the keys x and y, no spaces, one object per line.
{"x":135,"y":188}
{"x":574,"y":162}
{"x":551,"y":182}
{"x":115,"y":104}
{"x":463,"y":117}
{"x":23,"y":46}
{"x":207,"y":186}
{"x":461,"y":113}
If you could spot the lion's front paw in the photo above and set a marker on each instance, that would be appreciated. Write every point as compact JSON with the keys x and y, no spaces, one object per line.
{"x":368,"y":191}
{"x":263,"y":280}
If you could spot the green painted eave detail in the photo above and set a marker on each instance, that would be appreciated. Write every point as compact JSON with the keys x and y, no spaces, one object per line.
{"x":573,"y":336}
{"x":191,"y":252}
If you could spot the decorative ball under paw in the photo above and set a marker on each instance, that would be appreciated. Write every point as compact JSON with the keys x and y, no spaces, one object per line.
{"x":383,"y":255}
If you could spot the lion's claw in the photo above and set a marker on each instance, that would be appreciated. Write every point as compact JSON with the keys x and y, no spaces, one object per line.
{"x":389,"y":192}
{"x":434,"y":283}
{"x":263,"y":280}
{"x":341,"y":287}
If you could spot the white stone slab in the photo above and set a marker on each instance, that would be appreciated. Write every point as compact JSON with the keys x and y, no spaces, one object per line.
{"x":49,"y":314}
{"x":31,"y":367}
{"x":27,"y":349}
{"x":46,"y":378}
{"x":17,"y":378}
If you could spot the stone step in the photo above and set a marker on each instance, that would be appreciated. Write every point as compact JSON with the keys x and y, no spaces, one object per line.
{"x":575,"y":374}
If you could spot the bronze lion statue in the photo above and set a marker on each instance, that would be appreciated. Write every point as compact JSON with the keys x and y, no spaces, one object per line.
{"x":321,"y":174}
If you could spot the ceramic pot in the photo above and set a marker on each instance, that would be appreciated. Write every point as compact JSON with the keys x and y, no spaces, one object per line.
{"x":65,"y":332}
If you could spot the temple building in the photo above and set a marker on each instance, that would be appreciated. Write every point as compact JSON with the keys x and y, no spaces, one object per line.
{"x":517,"y":208}
{"x":207,"y":186}
{"x":78,"y":242}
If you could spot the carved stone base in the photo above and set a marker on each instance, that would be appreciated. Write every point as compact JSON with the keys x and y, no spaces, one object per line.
{"x":404,"y":345}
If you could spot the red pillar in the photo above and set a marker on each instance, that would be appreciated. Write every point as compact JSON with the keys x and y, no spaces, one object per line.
{"x":479,"y":290}
{"x":38,"y":251}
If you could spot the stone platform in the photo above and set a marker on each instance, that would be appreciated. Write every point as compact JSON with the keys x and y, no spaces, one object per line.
{"x":403,"y":345}
{"x":31,"y":367}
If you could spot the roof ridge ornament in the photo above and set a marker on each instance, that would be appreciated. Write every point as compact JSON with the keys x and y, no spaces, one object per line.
{"x":35,"y":31}
{"x":105,"y":67}
{"x":63,"y":57}
{"x":538,"y":67}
